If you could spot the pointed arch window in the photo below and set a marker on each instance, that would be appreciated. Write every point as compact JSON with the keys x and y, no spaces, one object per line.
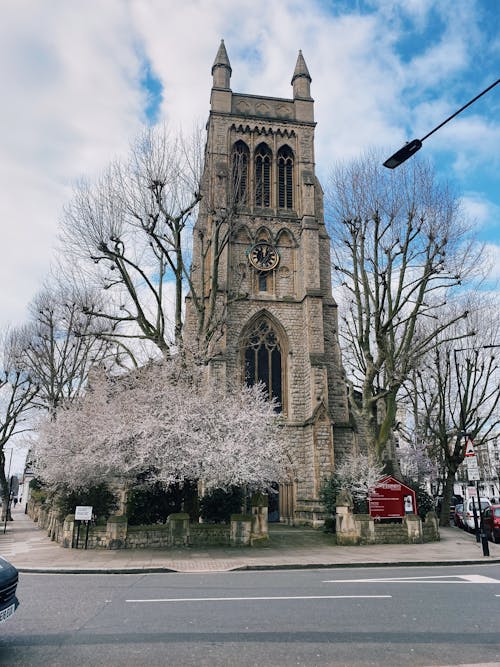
{"x":263,"y":158}
{"x":263,"y":360}
{"x":240,"y":160}
{"x":285,"y":177}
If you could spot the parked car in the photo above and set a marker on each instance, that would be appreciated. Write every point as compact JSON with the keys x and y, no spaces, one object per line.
{"x":8,"y":585}
{"x":491,"y":522}
{"x":455,"y":500}
{"x":458,"y":515}
{"x":468,"y":511}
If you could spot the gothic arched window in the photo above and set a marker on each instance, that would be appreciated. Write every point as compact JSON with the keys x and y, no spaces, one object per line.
{"x":285,"y":177}
{"x":263,"y":176}
{"x":263,"y":360}
{"x":240,"y":160}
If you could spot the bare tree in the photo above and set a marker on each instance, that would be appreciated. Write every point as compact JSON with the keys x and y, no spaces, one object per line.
{"x":59,"y":345}
{"x":127,"y":230}
{"x":400,"y":247}
{"x":17,"y":394}
{"x":131,"y":233}
{"x":458,"y":388}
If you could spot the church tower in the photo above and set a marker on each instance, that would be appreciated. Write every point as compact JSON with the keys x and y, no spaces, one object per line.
{"x":261,"y":303}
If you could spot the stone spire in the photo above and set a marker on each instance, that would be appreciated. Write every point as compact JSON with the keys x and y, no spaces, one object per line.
{"x":221,"y":69}
{"x":301,"y":79}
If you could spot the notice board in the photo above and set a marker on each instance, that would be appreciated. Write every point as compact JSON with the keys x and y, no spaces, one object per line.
{"x":391,"y":499}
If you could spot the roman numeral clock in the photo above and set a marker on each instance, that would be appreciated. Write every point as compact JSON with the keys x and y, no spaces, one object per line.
{"x":263,"y":257}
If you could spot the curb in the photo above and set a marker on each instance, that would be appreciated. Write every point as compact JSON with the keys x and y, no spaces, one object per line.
{"x":254,"y":568}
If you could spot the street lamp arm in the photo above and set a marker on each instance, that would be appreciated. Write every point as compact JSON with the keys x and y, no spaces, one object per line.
{"x":460,"y":110}
{"x":415,"y":145}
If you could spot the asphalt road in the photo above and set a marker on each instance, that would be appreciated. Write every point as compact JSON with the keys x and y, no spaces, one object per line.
{"x":370,"y":616}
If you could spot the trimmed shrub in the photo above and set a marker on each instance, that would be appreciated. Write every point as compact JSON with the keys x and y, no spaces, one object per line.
{"x":100,"y":497}
{"x":218,"y":505}
{"x":153,"y":504}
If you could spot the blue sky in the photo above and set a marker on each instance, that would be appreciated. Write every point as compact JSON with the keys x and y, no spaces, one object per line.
{"x":79,"y":80}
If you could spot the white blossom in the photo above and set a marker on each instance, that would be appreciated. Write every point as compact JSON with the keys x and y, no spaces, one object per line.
{"x":163,"y":421}
{"x":359,"y":473}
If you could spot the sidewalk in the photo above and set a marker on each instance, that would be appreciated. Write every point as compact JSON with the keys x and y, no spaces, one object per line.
{"x":30,"y":550}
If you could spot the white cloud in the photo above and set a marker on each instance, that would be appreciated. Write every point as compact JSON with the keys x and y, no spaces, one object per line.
{"x":493,"y":258}
{"x":72,"y":99}
{"x":483,"y":212}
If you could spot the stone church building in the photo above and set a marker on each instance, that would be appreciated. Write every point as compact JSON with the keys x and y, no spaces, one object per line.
{"x":261,"y":295}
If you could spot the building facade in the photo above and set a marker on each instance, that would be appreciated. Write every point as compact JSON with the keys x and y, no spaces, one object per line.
{"x":260,"y":305}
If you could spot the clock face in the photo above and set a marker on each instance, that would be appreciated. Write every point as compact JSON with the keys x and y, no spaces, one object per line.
{"x":263,"y":257}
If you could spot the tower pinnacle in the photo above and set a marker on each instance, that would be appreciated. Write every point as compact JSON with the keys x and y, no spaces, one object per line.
{"x":301,"y":79}
{"x":221,"y":69}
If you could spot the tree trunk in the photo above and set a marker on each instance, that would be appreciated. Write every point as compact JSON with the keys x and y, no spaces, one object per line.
{"x":444,"y":519}
{"x":9,"y":515}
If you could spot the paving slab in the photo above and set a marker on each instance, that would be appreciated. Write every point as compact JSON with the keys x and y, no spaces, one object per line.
{"x":31,"y":550}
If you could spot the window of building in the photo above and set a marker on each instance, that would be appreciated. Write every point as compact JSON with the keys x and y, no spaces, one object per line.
{"x":263,"y":360}
{"x":285,"y":177}
{"x":240,"y":160}
{"x":263,"y":176}
{"x":263,"y":282}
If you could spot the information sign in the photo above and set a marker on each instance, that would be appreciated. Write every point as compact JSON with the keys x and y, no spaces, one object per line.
{"x":390,"y":499}
{"x":83,"y":513}
{"x":473,"y":474}
{"x":472,"y":463}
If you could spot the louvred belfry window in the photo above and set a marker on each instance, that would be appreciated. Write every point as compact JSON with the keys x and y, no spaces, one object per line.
{"x":263,"y":176}
{"x":263,"y":360}
{"x":240,"y":160}
{"x":285,"y":178}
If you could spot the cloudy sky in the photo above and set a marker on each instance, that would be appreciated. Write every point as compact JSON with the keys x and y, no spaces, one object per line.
{"x":80,"y":78}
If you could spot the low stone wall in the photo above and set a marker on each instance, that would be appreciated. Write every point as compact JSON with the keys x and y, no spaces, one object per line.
{"x":209,"y":535}
{"x":390,"y":533}
{"x":147,"y":537}
{"x":177,"y":532}
{"x":355,"y":529}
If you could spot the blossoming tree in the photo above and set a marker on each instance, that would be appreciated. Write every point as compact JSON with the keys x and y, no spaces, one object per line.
{"x":162,"y":423}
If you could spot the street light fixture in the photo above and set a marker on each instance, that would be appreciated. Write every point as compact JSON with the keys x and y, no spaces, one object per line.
{"x":415,"y":145}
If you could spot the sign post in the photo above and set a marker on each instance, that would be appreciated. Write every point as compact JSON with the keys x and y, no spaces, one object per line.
{"x":473,"y":473}
{"x":83,"y":513}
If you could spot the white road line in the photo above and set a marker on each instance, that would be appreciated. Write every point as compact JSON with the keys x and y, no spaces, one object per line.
{"x":284,"y":597}
{"x":433,"y":579}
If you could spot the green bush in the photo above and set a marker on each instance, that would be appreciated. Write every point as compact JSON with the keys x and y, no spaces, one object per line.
{"x":330,"y":524}
{"x":100,"y":497}
{"x":328,"y":494}
{"x":218,"y":505}
{"x":152,"y":504}
{"x":38,"y":492}
{"x":35,"y":484}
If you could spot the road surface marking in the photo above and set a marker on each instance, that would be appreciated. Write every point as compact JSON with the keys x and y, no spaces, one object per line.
{"x":434,"y":579}
{"x":281,"y":597}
